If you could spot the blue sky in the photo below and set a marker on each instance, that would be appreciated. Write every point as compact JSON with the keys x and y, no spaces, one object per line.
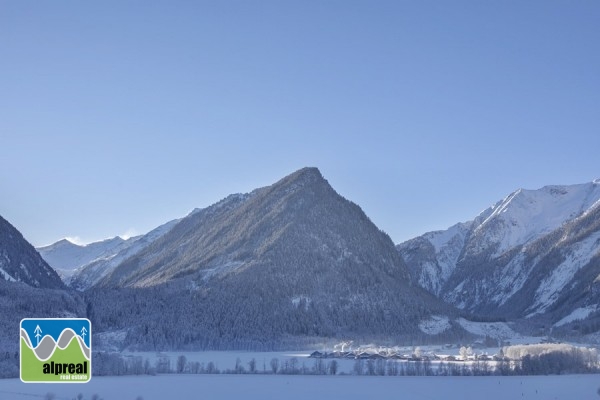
{"x":118,"y":116}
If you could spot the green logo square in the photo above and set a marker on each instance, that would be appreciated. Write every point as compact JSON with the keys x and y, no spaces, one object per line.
{"x":56,"y":350}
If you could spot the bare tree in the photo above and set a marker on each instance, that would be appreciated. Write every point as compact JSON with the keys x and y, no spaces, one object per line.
{"x":211,"y":368}
{"x":293,"y":365}
{"x":465,"y":352}
{"x":417,"y":353}
{"x":319,"y":367}
{"x":359,"y":367}
{"x":274,"y":365}
{"x":181,"y":363}
{"x":333,"y":367}
{"x":239,"y":368}
{"x":370,"y":367}
{"x":252,"y":366}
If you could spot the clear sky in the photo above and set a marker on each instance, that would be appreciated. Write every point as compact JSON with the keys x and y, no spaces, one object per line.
{"x":117,"y":116}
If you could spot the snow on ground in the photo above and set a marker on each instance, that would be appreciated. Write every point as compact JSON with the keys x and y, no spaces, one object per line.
{"x":577,"y":314}
{"x":434,"y":325}
{"x":496,"y":330}
{"x":6,"y":276}
{"x":548,"y":291}
{"x":224,"y":360}
{"x":68,"y":256}
{"x":513,"y":276}
{"x":448,"y":245}
{"x":249,"y":387}
{"x":532,"y":213}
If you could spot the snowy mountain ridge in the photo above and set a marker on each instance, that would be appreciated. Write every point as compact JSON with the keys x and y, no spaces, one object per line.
{"x":531,"y":213}
{"x":532,"y":254}
{"x":66,"y":257}
{"x":81,"y":266}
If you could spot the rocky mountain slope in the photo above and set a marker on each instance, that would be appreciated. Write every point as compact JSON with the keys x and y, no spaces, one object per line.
{"x":536,"y":253}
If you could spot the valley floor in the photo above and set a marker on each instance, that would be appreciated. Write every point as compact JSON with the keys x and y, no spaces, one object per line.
{"x":249,"y":387}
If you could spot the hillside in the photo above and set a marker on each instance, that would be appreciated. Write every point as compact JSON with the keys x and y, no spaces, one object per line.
{"x":20,"y":262}
{"x":533,"y":255}
{"x":29,"y":288}
{"x":291,"y":261}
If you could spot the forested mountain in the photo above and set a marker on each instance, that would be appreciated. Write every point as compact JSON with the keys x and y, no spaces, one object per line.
{"x":291,"y":261}
{"x":535,"y":254}
{"x":20,"y":262}
{"x":29,"y":288}
{"x":297,"y":224}
{"x":295,"y":263}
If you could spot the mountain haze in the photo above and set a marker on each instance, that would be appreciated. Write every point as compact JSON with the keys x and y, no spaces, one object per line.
{"x":89,"y":274}
{"x":67,"y":257}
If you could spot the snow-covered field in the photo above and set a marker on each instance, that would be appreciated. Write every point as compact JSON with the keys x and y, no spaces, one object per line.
{"x":225,"y":360}
{"x":250,"y":387}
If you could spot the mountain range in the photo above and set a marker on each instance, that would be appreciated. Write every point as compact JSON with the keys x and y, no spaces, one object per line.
{"x":534,"y":255}
{"x":83,"y":266}
{"x":290,"y":262}
{"x":295,"y":263}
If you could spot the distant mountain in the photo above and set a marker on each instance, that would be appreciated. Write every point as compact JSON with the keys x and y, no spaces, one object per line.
{"x":291,"y":260}
{"x":83,"y":266}
{"x":94,"y":271}
{"x":20,"y":262}
{"x":535,"y":253}
{"x":66,"y":257}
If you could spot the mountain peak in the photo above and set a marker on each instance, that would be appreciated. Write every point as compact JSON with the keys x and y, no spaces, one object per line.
{"x":305,"y":175}
{"x":314,"y":171}
{"x":308,"y":177}
{"x":254,"y":229}
{"x":64,"y":242}
{"x":523,"y":253}
{"x":116,"y":239}
{"x":291,"y":251}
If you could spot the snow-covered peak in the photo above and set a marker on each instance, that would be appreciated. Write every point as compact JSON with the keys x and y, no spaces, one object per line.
{"x":441,"y":239}
{"x":66,"y":255}
{"x":63,"y":243}
{"x":525,"y":215}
